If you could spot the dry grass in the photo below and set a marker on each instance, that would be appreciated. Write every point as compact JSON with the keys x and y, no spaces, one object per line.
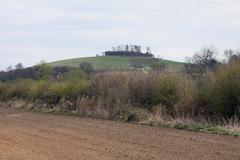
{"x":201,"y":124}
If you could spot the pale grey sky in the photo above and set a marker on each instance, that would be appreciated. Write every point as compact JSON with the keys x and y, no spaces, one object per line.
{"x":35,"y":30}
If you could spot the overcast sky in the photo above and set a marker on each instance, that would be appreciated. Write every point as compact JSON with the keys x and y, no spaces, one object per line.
{"x":35,"y":30}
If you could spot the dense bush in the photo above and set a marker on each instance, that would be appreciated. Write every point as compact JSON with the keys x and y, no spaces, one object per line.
{"x":221,"y":90}
{"x":37,"y":72}
{"x":69,"y":87}
{"x":26,"y":73}
{"x":141,"y":88}
{"x":175,"y":91}
{"x":86,"y":67}
{"x":110,"y":90}
{"x":123,"y":88}
{"x":18,"y":89}
{"x":67,"y":90}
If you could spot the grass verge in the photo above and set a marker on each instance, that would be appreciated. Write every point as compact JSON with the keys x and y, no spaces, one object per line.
{"x":195,"y":127}
{"x":181,"y":124}
{"x":188,"y":126}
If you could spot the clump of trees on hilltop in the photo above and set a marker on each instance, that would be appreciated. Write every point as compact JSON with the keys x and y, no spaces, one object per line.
{"x":129,"y":50}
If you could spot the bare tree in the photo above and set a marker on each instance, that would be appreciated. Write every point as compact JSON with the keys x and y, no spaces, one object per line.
{"x":148,"y":50}
{"x":237,"y":52}
{"x":228,"y":53}
{"x":205,"y":57}
{"x":203,"y":60}
{"x":232,"y":55}
{"x":9,"y":68}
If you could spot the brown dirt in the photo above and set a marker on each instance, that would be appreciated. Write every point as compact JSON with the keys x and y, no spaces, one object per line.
{"x":38,"y":136}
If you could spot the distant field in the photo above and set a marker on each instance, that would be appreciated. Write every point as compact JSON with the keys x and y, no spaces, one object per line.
{"x":113,"y":62}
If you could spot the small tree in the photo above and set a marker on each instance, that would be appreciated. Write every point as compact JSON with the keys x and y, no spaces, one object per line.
{"x":118,"y":48}
{"x":157,"y":66}
{"x":132,"y":48}
{"x":137,"y":48}
{"x":43,"y":71}
{"x":19,"y":66}
{"x":86,"y":67}
{"x":127,"y":48}
{"x":9,"y":68}
{"x":148,"y":50}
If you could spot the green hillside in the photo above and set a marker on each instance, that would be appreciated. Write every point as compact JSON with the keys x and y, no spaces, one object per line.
{"x":114,"y":62}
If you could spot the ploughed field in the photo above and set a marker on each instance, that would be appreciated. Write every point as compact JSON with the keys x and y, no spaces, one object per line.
{"x":39,"y":136}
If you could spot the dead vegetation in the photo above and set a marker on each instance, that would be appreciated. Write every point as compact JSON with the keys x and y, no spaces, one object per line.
{"x":151,"y":97}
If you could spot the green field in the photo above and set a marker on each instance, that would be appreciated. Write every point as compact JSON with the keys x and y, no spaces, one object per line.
{"x":114,"y":62}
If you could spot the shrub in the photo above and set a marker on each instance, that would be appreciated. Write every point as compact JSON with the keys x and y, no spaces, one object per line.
{"x":86,"y":67}
{"x":110,"y":86}
{"x":221,"y":90}
{"x":124,"y":88}
{"x":175,"y":91}
{"x":5,"y":90}
{"x":74,"y":75}
{"x":137,"y":115}
{"x":141,"y":88}
{"x":156,"y":66}
{"x":49,"y":90}
{"x":16,"y":89}
{"x":67,"y":89}
{"x":38,"y":89}
{"x":43,"y":71}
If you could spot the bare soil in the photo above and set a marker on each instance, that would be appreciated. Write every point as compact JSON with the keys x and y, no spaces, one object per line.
{"x":40,"y":136}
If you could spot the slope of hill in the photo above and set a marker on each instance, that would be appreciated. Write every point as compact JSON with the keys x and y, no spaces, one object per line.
{"x":114,"y":62}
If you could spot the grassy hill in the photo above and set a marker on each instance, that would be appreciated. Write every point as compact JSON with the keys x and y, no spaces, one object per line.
{"x":114,"y":62}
